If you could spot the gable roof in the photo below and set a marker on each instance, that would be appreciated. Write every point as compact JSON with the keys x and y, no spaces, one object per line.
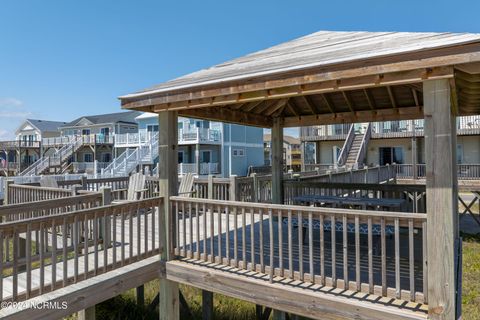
{"x":314,"y":50}
{"x":123,"y":117}
{"x":44,"y":125}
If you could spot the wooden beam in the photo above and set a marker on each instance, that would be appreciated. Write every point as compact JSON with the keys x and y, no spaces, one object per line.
{"x":277,"y":161}
{"x":370,"y":100}
{"x":328,"y":102}
{"x":310,"y":301}
{"x":207,"y":305}
{"x":310,"y":104}
{"x":392,"y":97}
{"x":292,"y":109}
{"x":415,"y":97}
{"x":348,"y":101}
{"x":228,"y":115}
{"x":404,"y":113}
{"x":276,"y":106}
{"x":221,"y":97}
{"x":442,"y":201}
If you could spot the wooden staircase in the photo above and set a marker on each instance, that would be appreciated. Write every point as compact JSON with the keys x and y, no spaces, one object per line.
{"x":354,"y":150}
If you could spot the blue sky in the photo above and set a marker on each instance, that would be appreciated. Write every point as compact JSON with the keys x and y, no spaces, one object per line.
{"x":62,"y":59}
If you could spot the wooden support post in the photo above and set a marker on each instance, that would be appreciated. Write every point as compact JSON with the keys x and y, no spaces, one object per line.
{"x":207,"y":305}
{"x":86,"y":314}
{"x":210,"y":187}
{"x":6,"y":197}
{"x":106,"y":201}
{"x":277,"y":161}
{"x":83,"y":182}
{"x":277,"y":171}
{"x":197,"y":153}
{"x":442,"y":197}
{"x":140,"y":295}
{"x":169,"y":306}
{"x":232,"y":188}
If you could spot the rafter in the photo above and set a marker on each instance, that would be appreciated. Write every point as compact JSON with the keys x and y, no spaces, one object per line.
{"x":392,"y":97}
{"x":415,"y":96}
{"x":348,"y":101}
{"x":308,"y":101}
{"x":276,"y":106}
{"x":228,"y":115}
{"x":371,"y":101}
{"x":291,"y":108}
{"x":328,"y":102}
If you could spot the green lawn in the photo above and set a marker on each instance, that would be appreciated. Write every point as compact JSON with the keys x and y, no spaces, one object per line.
{"x":471,"y":277}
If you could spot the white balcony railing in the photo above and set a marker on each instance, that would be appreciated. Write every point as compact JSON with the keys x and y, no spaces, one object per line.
{"x":205,"y":168}
{"x":200,"y":135}
{"x":86,"y":139}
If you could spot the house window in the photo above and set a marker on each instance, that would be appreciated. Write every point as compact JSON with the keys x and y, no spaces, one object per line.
{"x":152,"y":128}
{"x":205,"y":156}
{"x":238,"y":152}
{"x":105,"y":131}
{"x":88,"y":157}
{"x":390,"y":155}
{"x":85,"y":132}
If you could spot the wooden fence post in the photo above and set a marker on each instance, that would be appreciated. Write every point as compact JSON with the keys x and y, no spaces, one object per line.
{"x":210,"y":187}
{"x":6,"y":196}
{"x":207,"y":305}
{"x":255,"y":187}
{"x":83,"y":182}
{"x":232,"y":186}
{"x":105,"y":222}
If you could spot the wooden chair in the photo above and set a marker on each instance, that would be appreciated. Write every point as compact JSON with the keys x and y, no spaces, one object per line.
{"x":136,"y":188}
{"x":185,"y":189}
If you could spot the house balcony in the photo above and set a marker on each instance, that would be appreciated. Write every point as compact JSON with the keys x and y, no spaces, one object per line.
{"x":199,"y":136}
{"x":17,"y":144}
{"x":90,"y":139}
{"x":129,"y":140}
{"x":467,"y":125}
{"x":206,"y":168}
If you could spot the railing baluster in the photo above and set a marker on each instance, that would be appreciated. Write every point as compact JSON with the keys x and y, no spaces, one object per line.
{"x":54,"y":255}
{"x":219,"y":235}
{"x":95,"y":243}
{"x":177,"y":228}
{"x":280,"y":242}
{"x":106,"y":237}
{"x":270,"y":231}
{"x":411,"y":259}
{"x":425,"y":262}
{"x":357,"y":253}
{"x":322,"y":251}
{"x":262,"y":263}
{"x":64,"y":251}
{"x":290,"y":245}
{"x":205,"y":254}
{"x":310,"y":247}
{"x":244,"y":240}
{"x":85,"y":246}
{"x":15,"y":263}
{"x":370,"y":256}
{"x":212,"y":233}
{"x":42,"y":262}
{"x":345,"y":253}
{"x":384,"y":257}
{"x":300,"y":244}
{"x":398,"y":292}
{"x":122,"y":237}
{"x":252,"y":240}
{"x":235,"y":237}
{"x":184,"y":230}
{"x":2,"y":245}
{"x":28,"y":258}
{"x":334,"y":251}
{"x":76,"y":240}
{"x":190,"y":230}
{"x":197,"y":231}
{"x":227,"y":234}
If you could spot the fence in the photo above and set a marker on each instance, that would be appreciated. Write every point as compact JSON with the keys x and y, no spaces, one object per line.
{"x":264,"y":238}
{"x":111,"y":236}
{"x":464,"y":171}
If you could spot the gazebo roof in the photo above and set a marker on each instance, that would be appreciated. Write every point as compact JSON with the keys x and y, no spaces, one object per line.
{"x":325,"y":77}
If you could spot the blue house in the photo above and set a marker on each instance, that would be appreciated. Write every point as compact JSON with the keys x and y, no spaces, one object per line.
{"x":205,"y":147}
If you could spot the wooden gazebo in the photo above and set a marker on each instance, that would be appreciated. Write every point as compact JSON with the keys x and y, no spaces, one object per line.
{"x":326,"y":78}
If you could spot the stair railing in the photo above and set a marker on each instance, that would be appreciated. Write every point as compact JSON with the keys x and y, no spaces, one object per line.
{"x":342,"y":158}
{"x":362,"y":151}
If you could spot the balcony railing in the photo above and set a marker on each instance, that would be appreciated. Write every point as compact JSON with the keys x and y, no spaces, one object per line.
{"x":466,"y":125}
{"x":86,"y":139}
{"x":15,"y":144}
{"x":205,"y":168}
{"x":89,"y":167}
{"x":201,"y":135}
{"x":464,"y":171}
{"x":133,"y":139}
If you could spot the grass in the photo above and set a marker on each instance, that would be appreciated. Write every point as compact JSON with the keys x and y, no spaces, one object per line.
{"x":471,"y":277}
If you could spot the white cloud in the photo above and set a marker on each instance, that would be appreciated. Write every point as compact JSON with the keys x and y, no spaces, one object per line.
{"x":13,"y":108}
{"x":12,"y":113}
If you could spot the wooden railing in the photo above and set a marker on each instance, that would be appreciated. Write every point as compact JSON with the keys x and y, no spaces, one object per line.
{"x":413,"y":196}
{"x":385,"y":254}
{"x":27,"y":210}
{"x":342,"y":158}
{"x":19,"y":193}
{"x":109,"y":236}
{"x":464,"y":171}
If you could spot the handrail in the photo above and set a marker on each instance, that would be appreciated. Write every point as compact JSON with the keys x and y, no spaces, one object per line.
{"x":363,"y":146}
{"x":342,"y":158}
